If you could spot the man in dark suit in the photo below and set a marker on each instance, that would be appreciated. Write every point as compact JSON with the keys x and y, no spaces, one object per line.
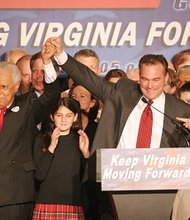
{"x":17,"y":135}
{"x":123,"y":102}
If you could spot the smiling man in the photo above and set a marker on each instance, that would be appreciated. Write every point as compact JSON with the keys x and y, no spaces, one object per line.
{"x":125,"y":101}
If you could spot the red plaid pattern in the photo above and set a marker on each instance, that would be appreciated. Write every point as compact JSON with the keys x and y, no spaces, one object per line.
{"x":57,"y":212}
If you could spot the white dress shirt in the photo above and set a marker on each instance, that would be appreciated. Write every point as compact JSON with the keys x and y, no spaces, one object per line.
{"x":129,"y":135}
{"x":50,"y":73}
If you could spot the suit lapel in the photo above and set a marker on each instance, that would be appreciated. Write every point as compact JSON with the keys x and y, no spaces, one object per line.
{"x":128,"y":107}
{"x":10,"y":123}
{"x":168,"y":127}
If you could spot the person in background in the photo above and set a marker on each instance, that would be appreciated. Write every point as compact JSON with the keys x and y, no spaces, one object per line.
{"x":58,"y":154}
{"x":184,"y":93}
{"x":172,"y":82}
{"x":24,"y":66}
{"x":89,"y":58}
{"x":99,"y":202}
{"x":19,"y":116}
{"x":14,"y":55}
{"x":88,"y":103}
{"x":114,"y":75}
{"x":89,"y":108}
{"x":183,"y":75}
{"x":37,"y":76}
{"x":170,"y":65}
{"x":182,"y":58}
{"x":93,"y":198}
{"x":133,"y":74}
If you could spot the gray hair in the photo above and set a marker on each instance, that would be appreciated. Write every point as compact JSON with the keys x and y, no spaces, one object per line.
{"x":11,"y":68}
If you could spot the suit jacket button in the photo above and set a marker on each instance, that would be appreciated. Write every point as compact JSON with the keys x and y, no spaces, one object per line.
{"x":13,"y":161}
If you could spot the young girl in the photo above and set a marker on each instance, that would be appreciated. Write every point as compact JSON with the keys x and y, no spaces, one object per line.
{"x":58,"y":152}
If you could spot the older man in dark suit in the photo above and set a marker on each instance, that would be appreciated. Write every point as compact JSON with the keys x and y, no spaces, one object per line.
{"x":20,"y":115}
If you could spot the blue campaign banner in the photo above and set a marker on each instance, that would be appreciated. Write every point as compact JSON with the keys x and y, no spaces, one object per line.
{"x":119,"y":35}
{"x":144,"y":169}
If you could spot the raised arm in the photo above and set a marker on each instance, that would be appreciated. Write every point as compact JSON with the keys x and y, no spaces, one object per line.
{"x":81,"y":73}
{"x":45,"y":103}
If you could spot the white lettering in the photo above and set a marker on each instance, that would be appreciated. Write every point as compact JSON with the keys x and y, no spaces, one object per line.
{"x":153,"y":160}
{"x":73,"y":34}
{"x":186,"y":34}
{"x":122,"y":161}
{"x":155,"y":31}
{"x":174,"y":27}
{"x":54,"y":29}
{"x":128,"y":174}
{"x":4,"y":36}
{"x":25,"y":36}
{"x":129,"y":35}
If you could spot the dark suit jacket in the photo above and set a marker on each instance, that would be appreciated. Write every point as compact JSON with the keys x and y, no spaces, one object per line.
{"x":119,"y":101}
{"x":16,"y":142}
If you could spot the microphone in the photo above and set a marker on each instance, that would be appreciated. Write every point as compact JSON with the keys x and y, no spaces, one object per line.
{"x":182,"y":131}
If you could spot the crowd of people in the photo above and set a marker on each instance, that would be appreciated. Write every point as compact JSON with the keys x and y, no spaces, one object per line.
{"x":51,"y":127}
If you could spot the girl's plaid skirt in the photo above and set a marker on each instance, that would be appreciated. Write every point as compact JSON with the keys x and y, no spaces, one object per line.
{"x":57,"y":212}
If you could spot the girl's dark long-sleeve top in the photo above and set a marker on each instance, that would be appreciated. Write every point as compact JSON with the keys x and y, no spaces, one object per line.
{"x":59,"y":173}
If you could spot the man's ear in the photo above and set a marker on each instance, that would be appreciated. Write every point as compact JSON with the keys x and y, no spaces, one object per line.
{"x":166,"y":77}
{"x":16,"y":86}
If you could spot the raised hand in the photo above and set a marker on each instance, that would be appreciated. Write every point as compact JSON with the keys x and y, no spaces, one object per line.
{"x":54,"y":140}
{"x":56,"y":42}
{"x":84,"y":143}
{"x":186,"y":122}
{"x":48,"y":50}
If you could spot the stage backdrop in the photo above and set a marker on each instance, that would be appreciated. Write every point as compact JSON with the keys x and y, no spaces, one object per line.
{"x":120,"y":31}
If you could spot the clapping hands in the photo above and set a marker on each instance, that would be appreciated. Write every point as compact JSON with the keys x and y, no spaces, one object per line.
{"x":84,"y":143}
